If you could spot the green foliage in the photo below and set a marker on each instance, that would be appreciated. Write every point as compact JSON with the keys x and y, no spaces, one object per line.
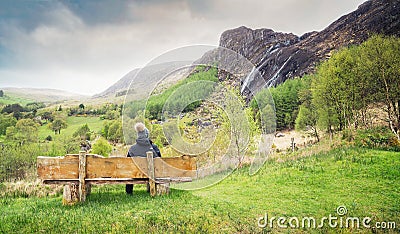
{"x":263,"y":108}
{"x":16,"y":160}
{"x":307,"y":117}
{"x":34,"y":106}
{"x":25,"y":131}
{"x":73,"y":124}
{"x":1,"y":93}
{"x":102,"y":147}
{"x":115,"y":132}
{"x":179,"y":93}
{"x":15,"y":109}
{"x":157,"y":135}
{"x":375,"y":138}
{"x":287,"y":102}
{"x":238,"y":123}
{"x":5,"y":122}
{"x":355,"y":78}
{"x":49,"y":138}
{"x":112,"y":131}
{"x":57,"y":125}
{"x":112,"y":114}
{"x":83,"y":132}
{"x":9,"y":98}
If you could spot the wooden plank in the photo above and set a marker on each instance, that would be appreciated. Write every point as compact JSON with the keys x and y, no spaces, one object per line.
{"x":62,"y":168}
{"x":184,"y":166}
{"x":82,"y":176}
{"x":150,"y":173}
{"x":119,"y":181}
{"x":58,"y":167}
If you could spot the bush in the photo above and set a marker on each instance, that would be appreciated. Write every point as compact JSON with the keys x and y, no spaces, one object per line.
{"x":102,"y":147}
{"x":49,"y":138}
{"x":377,"y":138}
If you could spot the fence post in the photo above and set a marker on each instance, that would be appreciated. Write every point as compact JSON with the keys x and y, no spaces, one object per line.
{"x":82,"y":176}
{"x":150,"y":170}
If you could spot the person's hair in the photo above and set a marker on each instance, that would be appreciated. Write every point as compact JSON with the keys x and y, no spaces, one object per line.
{"x":139,"y":127}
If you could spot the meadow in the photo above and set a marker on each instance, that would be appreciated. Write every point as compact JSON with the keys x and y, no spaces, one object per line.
{"x":11,"y":99}
{"x":364,"y":181}
{"x":73,"y":123}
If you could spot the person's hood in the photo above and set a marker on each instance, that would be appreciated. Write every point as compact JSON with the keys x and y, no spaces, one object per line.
{"x":144,"y":133}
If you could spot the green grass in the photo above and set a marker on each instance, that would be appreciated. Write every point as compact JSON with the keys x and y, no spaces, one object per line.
{"x":11,"y":99}
{"x":365,"y":181}
{"x":95,"y":124}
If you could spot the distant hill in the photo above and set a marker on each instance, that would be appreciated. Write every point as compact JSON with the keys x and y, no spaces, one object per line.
{"x":119,"y":87}
{"x":42,"y":95}
{"x":143,"y":81}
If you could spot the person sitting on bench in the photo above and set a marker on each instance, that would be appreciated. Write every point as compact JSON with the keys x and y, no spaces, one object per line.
{"x":143,"y":145}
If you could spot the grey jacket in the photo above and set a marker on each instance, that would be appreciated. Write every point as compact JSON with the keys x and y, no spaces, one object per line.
{"x":142,"y":146}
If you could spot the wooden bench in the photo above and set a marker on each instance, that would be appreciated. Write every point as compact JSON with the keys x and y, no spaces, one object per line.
{"x":79,"y":171}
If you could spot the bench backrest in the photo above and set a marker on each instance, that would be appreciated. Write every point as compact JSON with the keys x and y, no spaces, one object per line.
{"x":67,"y":167}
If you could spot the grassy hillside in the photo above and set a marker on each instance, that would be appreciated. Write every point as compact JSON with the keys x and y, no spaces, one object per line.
{"x":11,"y":99}
{"x":94,"y":123}
{"x":365,"y":181}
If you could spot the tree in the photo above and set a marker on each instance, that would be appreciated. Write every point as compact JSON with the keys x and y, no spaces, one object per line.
{"x":34,"y":106}
{"x":307,"y":117}
{"x":1,"y":93}
{"x":48,"y":116}
{"x":57,"y":125}
{"x":115,"y":132}
{"x":112,"y":114}
{"x":238,"y":123}
{"x":356,"y":77}
{"x":286,"y":102}
{"x":102,"y":147}
{"x":25,"y":131}
{"x":381,"y":66}
{"x":16,"y":109}
{"x":81,"y":106}
{"x":5,"y":122}
{"x":83,"y":132}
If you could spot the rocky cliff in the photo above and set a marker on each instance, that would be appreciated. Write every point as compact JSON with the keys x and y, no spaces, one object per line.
{"x":281,"y":56}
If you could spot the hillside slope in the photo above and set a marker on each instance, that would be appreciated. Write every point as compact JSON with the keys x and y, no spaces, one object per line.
{"x":43,"y":95}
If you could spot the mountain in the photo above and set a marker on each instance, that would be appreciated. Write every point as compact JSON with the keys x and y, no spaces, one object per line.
{"x":43,"y":95}
{"x":281,"y":56}
{"x":120,"y":86}
{"x":139,"y":83}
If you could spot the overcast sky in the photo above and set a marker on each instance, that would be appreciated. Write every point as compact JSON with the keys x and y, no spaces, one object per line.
{"x":86,"y":46}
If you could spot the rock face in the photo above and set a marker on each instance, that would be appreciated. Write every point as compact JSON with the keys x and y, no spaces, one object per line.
{"x":281,"y":56}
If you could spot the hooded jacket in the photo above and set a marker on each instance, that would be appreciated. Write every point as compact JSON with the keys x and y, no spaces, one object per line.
{"x":143,"y":145}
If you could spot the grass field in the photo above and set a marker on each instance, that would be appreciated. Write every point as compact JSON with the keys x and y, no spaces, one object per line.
{"x":10,"y":99}
{"x":366,"y":182}
{"x":94,"y":123}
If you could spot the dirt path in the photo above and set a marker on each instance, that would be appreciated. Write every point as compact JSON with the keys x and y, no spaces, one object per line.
{"x":282,"y":140}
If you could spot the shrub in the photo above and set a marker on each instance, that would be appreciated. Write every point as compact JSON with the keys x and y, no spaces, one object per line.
{"x":377,"y":138}
{"x":102,"y":147}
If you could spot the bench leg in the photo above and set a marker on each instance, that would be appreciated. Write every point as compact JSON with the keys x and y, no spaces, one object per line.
{"x":162,"y":189}
{"x":88,"y":189}
{"x":70,"y":194}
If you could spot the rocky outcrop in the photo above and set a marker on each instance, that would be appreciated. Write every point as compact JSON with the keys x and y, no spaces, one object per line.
{"x":281,"y":56}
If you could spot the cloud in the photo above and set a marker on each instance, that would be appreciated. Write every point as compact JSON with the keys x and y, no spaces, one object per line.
{"x":85,"y":46}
